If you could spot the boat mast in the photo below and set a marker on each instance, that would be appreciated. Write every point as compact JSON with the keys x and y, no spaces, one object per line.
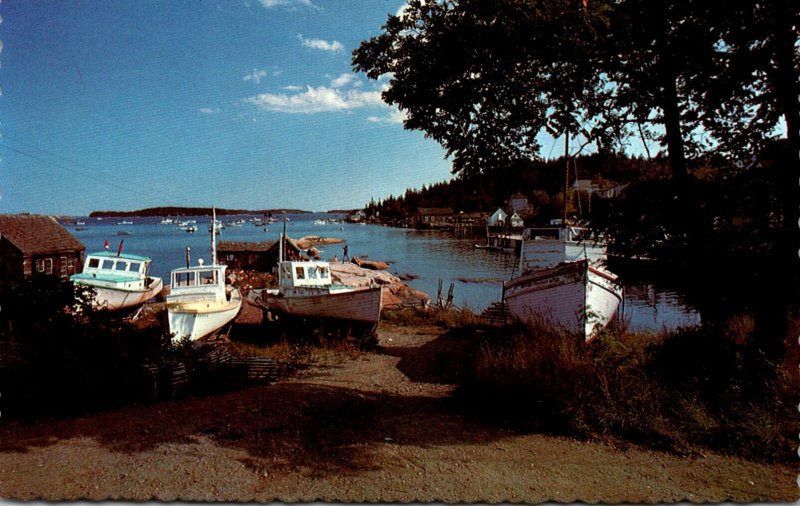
{"x":213,"y":235}
{"x":566,"y":176}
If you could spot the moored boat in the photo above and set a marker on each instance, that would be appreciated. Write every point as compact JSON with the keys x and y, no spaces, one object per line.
{"x":119,"y":280}
{"x":580,"y":297}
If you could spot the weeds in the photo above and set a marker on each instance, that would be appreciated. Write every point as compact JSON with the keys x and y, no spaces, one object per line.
{"x":685,"y":389}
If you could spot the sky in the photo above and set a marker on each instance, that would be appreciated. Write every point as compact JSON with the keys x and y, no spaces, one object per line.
{"x":247,"y":104}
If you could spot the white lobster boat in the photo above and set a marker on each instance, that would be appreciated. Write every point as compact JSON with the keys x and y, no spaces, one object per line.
{"x":580,"y":297}
{"x":305,"y":290}
{"x":200,"y":302}
{"x":119,"y":280}
{"x":563,"y":282}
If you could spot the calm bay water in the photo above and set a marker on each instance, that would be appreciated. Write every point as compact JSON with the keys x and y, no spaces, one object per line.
{"x":477,"y":275}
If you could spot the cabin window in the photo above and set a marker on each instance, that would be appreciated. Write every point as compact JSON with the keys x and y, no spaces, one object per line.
{"x":121,"y":266}
{"x":312,"y":273}
{"x":323,"y":272}
{"x":63,"y":264}
{"x":135,"y":266}
{"x":184,"y":279}
{"x":208,"y":278}
{"x":94,"y":262}
{"x":301,"y":272}
{"x":107,"y":264}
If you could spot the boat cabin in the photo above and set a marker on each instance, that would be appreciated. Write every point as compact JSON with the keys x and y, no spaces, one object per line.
{"x":310,"y":274}
{"x":201,"y":280}
{"x":106,"y":264}
{"x":109,"y":270}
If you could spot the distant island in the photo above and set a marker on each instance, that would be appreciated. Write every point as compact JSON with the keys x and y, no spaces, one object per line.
{"x":190,"y":211}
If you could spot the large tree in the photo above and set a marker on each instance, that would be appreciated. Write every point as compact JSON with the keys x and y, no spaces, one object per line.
{"x":484,"y":78}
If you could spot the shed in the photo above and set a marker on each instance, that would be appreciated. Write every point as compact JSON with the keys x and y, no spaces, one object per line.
{"x":34,"y":244}
{"x":432,"y":217}
{"x":254,"y":256}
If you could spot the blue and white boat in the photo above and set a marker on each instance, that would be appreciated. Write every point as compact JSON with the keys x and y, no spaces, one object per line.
{"x":119,"y":280}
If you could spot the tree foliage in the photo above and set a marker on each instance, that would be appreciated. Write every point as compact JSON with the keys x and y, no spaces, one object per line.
{"x":485,"y":78}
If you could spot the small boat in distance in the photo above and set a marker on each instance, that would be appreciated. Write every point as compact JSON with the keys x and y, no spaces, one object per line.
{"x":124,"y":222}
{"x":200,"y":302}
{"x":119,"y":280}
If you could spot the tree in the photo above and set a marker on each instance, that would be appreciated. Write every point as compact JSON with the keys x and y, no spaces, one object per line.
{"x":485,"y":78}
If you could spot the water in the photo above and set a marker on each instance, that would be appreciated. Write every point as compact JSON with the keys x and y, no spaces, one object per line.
{"x":477,"y":275}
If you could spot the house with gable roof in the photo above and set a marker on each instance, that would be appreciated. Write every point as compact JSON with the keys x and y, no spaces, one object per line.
{"x":34,"y":244}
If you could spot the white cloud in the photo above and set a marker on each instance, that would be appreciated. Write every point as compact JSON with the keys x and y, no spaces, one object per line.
{"x":209,"y":110}
{"x":324,"y":45}
{"x":343,"y":80}
{"x":396,"y":117}
{"x":269,"y":4}
{"x":256,"y":76}
{"x":316,"y":100}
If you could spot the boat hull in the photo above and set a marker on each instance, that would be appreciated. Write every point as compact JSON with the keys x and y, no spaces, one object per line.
{"x":197,"y":319}
{"x":361,"y":305}
{"x":116,"y":298}
{"x":578,"y":297}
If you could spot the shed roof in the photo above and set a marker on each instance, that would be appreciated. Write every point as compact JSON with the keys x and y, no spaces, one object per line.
{"x":436,"y":211}
{"x":35,"y":234}
{"x":231,"y":246}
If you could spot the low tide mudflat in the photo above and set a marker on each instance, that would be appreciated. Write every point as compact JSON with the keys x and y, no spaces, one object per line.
{"x":377,"y":426}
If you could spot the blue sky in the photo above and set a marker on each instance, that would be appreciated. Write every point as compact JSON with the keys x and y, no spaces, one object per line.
{"x":250,"y":104}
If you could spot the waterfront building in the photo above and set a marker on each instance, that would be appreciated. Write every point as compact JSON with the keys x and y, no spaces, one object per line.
{"x":35,"y":244}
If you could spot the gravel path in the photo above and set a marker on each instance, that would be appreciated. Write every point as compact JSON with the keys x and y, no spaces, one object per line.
{"x":361,"y":427}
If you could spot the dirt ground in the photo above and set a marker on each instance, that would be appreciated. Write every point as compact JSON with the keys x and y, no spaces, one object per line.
{"x":379,"y":426}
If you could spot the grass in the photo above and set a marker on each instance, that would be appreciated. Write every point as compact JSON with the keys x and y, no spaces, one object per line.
{"x":682,"y":391}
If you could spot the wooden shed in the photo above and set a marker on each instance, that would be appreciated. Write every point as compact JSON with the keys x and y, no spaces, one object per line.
{"x":35,"y":244}
{"x":253,"y":256}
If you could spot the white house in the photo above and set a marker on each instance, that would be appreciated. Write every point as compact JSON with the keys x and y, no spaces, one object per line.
{"x":499,"y":217}
{"x":516,"y":220}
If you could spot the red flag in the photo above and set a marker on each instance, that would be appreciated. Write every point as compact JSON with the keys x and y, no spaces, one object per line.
{"x":106,"y":244}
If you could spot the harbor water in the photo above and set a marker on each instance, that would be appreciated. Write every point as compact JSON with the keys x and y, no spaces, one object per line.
{"x":428,"y":257}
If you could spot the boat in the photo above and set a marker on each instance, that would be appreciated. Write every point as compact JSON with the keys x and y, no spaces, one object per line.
{"x":565,"y":284}
{"x":200,"y":302}
{"x":167,"y":221}
{"x":124,"y":222}
{"x":320,"y":222}
{"x":306,"y":291}
{"x":579,"y":297}
{"x":119,"y":280}
{"x":79,"y":223}
{"x":545,"y":247}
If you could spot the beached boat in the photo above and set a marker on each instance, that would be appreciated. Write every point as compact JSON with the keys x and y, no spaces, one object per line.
{"x":579,"y":297}
{"x":200,"y":302}
{"x":119,"y":280}
{"x":305,"y":290}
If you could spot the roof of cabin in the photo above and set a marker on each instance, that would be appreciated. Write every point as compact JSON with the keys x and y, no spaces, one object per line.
{"x":36,"y":234}
{"x":122,"y":256}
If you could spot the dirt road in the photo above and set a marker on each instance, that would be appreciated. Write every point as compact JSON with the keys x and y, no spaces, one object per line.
{"x":356,"y":427}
